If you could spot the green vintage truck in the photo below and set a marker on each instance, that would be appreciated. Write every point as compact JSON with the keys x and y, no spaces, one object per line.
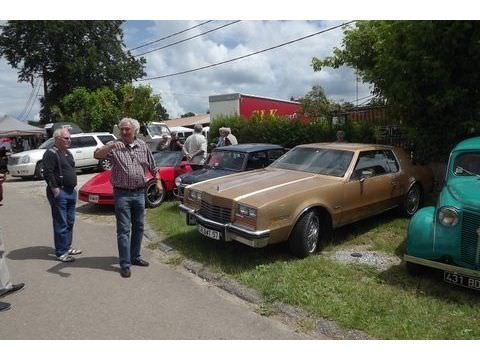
{"x":447,"y":236}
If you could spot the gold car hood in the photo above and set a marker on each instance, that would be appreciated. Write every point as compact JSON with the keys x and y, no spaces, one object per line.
{"x":262,"y":183}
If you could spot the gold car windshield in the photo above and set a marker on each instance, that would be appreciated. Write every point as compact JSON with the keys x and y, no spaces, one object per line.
{"x":314,"y":160}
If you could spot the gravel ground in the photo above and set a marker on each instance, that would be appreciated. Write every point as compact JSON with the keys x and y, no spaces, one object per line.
{"x":376,"y":259}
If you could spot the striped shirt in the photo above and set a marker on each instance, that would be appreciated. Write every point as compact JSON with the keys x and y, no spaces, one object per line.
{"x":130,"y":165}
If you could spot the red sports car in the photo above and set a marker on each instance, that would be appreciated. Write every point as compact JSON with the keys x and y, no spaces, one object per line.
{"x":98,"y":190}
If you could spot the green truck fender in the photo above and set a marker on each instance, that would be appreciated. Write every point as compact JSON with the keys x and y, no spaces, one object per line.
{"x":420,"y":233}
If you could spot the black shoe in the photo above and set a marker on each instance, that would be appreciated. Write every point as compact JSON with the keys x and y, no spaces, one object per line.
{"x":4,"y":306}
{"x":140,"y":262}
{"x":125,"y":272}
{"x":14,"y":288}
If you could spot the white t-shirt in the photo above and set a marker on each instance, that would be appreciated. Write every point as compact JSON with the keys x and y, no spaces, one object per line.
{"x":194,"y":143}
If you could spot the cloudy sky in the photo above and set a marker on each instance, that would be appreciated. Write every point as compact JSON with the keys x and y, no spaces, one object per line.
{"x":280,"y":73}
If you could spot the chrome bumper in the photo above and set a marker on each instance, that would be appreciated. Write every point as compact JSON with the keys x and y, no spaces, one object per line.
{"x":442,"y":266}
{"x":229,"y":231}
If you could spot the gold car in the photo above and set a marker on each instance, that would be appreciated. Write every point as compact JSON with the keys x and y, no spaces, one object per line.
{"x":306,"y":193}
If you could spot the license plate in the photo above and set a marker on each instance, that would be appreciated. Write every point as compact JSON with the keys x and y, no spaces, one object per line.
{"x":213,"y":234}
{"x":93,"y":198}
{"x":461,"y":280}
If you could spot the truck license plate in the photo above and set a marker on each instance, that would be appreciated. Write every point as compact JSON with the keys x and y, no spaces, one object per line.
{"x":213,"y":234}
{"x":93,"y":199}
{"x":461,"y":280}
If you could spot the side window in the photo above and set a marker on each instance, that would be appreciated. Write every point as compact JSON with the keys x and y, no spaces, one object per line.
{"x":75,"y":143}
{"x":274,"y":155}
{"x":373,"y":163}
{"x":87,"y":141}
{"x":392,"y":161}
{"x":257,"y":160}
{"x":105,"y":138}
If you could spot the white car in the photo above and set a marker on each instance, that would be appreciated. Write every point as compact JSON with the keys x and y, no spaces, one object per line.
{"x":29,"y":163}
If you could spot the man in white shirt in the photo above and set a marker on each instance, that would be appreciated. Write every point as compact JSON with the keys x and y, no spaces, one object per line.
{"x":195,"y":148}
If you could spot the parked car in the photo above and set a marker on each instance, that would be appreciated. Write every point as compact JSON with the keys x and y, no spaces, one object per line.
{"x":98,"y":190}
{"x":306,"y":193}
{"x":29,"y":163}
{"x":228,"y":160}
{"x":447,"y":236}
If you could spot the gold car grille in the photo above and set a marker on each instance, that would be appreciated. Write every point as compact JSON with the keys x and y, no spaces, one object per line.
{"x":215,"y":213}
{"x":469,"y":250}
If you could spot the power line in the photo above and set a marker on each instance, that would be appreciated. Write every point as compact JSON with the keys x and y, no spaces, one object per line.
{"x":22,"y":113}
{"x":247,"y":55}
{"x":169,"y":36}
{"x":190,"y":38}
{"x":33,"y":101}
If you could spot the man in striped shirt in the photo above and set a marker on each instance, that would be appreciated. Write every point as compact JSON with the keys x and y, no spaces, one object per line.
{"x":131,"y":159}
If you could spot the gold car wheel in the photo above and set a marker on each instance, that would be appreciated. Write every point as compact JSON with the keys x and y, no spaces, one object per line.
{"x":312,"y":233}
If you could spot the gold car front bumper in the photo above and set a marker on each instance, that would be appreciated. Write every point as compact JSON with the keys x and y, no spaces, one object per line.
{"x":228,"y":231}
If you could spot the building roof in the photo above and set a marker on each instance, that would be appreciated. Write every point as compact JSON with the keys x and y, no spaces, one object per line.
{"x":203,"y":119}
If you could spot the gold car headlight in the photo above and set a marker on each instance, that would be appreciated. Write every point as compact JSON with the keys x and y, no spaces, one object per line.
{"x":247,"y":211}
{"x":448,"y":216}
{"x":195,"y":195}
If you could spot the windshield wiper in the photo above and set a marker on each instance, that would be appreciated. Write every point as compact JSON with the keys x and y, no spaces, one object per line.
{"x":460,"y":170}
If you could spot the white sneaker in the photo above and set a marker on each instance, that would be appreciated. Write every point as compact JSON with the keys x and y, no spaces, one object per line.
{"x":66,"y":258}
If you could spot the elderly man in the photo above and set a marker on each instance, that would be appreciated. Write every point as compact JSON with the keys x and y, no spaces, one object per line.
{"x":131,"y":158}
{"x":6,"y":287}
{"x":59,"y":173}
{"x":226,"y":137}
{"x":195,"y":148}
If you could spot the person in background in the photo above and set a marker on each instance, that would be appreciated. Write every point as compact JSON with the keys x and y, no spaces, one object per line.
{"x":340,"y":136}
{"x":6,"y":286}
{"x":131,"y":159}
{"x":175,"y":144}
{"x":226,"y":137}
{"x":195,"y":148}
{"x":61,"y":178}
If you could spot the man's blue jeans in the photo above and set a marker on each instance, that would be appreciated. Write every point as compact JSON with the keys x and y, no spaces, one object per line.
{"x":129,"y":211}
{"x":63,"y":215}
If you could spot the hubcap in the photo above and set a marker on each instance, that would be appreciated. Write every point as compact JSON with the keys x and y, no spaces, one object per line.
{"x":413,"y":200}
{"x":153,"y":196}
{"x":312,"y":233}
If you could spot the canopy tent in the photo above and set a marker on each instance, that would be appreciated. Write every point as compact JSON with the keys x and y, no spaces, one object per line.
{"x":10,"y":127}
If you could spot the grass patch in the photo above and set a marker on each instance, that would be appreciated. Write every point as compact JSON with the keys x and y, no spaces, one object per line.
{"x":389,"y":304}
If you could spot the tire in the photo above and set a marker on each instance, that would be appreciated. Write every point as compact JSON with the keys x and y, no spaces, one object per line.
{"x":104,"y":164}
{"x":305,"y":237}
{"x":38,"y":174}
{"x":152,"y":198}
{"x":412,"y":201}
{"x":414,"y":269}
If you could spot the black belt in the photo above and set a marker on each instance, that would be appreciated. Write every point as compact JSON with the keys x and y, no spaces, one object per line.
{"x":142,"y":188}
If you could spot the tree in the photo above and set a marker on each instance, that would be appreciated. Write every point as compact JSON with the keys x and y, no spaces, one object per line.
{"x":68,"y":55}
{"x":101,"y":109}
{"x":188,"y":114}
{"x":161,"y":112}
{"x":315,"y":104}
{"x":425,"y":70}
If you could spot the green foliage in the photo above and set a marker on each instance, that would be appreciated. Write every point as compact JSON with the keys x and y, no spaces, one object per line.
{"x":288,"y":132}
{"x":100,"y":109}
{"x":161,"y":112}
{"x":427,"y":72}
{"x":69,"y":55}
{"x":188,"y":114}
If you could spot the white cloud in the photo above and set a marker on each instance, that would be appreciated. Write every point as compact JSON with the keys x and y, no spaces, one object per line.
{"x":279,"y":73}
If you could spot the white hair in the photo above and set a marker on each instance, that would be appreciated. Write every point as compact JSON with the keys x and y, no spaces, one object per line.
{"x":58,"y":132}
{"x":132,"y":122}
